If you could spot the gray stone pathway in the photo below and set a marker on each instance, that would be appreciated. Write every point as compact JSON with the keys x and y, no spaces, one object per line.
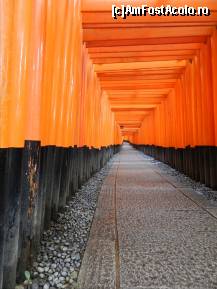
{"x":150,"y":231}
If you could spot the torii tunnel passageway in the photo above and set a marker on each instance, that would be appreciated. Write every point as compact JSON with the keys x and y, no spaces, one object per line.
{"x":75,"y":84}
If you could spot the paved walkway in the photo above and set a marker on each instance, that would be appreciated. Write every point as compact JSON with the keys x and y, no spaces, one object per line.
{"x":149,"y":231}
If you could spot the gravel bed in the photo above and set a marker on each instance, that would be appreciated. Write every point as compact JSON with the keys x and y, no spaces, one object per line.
{"x":62,"y":246}
{"x":185,"y":180}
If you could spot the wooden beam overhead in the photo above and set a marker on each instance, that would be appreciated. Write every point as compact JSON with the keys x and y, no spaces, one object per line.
{"x":137,"y":109}
{"x":159,"y":52}
{"x":133,"y":81}
{"x":140,"y":59}
{"x":146,"y":41}
{"x":146,"y":48}
{"x":132,"y":115}
{"x":141,"y":72}
{"x":140,"y":65}
{"x":138,"y":92}
{"x":140,"y":77}
{"x":104,"y":18}
{"x":156,"y":25}
{"x":129,"y":122}
{"x":140,"y":98}
{"x":144,"y":33}
{"x":105,"y":5}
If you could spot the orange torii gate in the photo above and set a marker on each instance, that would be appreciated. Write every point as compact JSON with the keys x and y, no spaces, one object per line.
{"x":140,"y":56}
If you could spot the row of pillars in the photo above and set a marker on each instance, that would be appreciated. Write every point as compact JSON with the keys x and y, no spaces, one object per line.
{"x":36,"y":183}
{"x":188,"y":115}
{"x":199,"y":163}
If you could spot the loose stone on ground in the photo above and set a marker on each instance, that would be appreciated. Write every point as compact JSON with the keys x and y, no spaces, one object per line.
{"x":62,"y":246}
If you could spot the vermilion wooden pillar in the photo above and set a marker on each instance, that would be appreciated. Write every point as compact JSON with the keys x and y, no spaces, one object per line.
{"x":207,"y":96}
{"x":213,"y":155}
{"x":214,"y":78}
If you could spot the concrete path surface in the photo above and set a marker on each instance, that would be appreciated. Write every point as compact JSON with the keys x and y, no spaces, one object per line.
{"x":149,"y":231}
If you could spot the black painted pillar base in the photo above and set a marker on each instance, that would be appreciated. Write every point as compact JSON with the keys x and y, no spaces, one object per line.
{"x":30,"y":206}
{"x":12,"y":213}
{"x":49,"y":184}
{"x":213,"y":167}
{"x":64,"y":180}
{"x":3,"y":153}
{"x":196,"y":164}
{"x":199,"y":163}
{"x":36,"y":183}
{"x":58,"y":162}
